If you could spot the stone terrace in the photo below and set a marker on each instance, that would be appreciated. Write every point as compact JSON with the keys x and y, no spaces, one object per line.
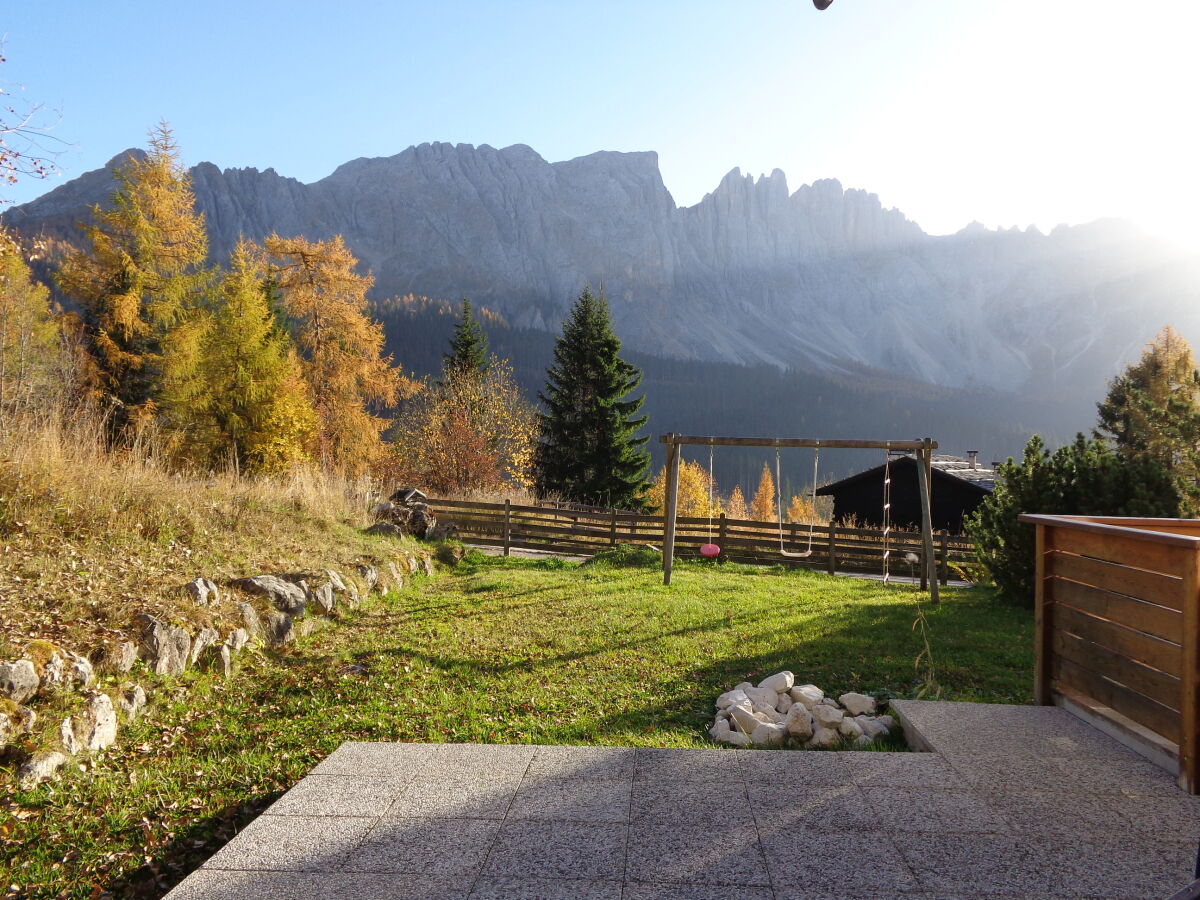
{"x":1015,"y":800}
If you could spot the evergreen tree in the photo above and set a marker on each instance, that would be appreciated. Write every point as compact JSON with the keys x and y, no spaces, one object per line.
{"x":1153,"y":408}
{"x":141,"y":287}
{"x":762,"y":507}
{"x":256,"y":404}
{"x":1081,"y":478}
{"x":340,"y":347}
{"x":588,"y":450}
{"x":469,"y":346}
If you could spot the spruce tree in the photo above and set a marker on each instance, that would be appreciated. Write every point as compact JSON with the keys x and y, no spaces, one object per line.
{"x":469,"y":346}
{"x":141,"y":287}
{"x":588,"y":450}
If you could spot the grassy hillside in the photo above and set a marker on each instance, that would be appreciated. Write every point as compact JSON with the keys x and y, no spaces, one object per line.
{"x":496,"y":651}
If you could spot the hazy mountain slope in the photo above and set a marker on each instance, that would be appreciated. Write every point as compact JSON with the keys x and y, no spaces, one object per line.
{"x":820,"y":279}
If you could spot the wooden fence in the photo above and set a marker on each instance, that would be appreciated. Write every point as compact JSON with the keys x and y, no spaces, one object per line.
{"x":582,"y":531}
{"x":1118,"y":624}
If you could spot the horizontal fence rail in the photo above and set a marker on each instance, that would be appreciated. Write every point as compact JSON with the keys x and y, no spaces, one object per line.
{"x":1117,"y":624}
{"x":584,"y":531}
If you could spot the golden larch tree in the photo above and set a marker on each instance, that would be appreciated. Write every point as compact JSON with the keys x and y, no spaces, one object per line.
{"x":340,"y":347}
{"x":141,"y":286}
{"x":736,"y":507}
{"x":695,"y":491}
{"x":762,"y":507}
{"x":29,"y":333}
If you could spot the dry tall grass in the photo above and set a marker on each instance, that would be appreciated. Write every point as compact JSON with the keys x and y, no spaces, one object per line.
{"x":90,"y":535}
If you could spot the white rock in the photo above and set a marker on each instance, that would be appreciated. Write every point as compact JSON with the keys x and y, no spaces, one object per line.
{"x":808,"y":694}
{"x":779,"y":682}
{"x":762,"y":695}
{"x":824,"y":737}
{"x":827,"y":701}
{"x":741,"y":686}
{"x":66,"y":736}
{"x":768,"y":735}
{"x":799,"y":721}
{"x":720,"y":730}
{"x":769,"y":713}
{"x":40,"y":767}
{"x":850,"y":728}
{"x":238,"y":638}
{"x":858,"y":704}
{"x":872,"y":728}
{"x":887,"y":722}
{"x":96,"y":725}
{"x":132,"y":700}
{"x":863,"y":741}
{"x":729,"y":698}
{"x":827,"y":716}
{"x":744,"y":717}
{"x":738,"y":739}
{"x":784,"y":703}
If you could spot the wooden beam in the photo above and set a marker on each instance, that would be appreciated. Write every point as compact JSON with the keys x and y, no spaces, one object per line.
{"x":835,"y":444}
{"x":1189,"y":728}
{"x":669,"y":508}
{"x":924,"y":483}
{"x":1043,"y":646}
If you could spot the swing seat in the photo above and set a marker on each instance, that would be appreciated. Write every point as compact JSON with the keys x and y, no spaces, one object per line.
{"x":795,"y":554}
{"x":708,"y":551}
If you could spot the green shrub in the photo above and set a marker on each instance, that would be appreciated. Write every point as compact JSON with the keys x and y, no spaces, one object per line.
{"x":1082,"y":478}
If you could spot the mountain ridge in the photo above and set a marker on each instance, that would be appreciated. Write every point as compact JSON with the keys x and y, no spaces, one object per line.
{"x":822,"y":278}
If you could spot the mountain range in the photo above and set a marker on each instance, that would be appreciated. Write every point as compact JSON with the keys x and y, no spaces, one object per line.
{"x":820,"y":279}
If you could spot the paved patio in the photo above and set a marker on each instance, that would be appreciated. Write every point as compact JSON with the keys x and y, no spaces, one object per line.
{"x":1021,"y":801}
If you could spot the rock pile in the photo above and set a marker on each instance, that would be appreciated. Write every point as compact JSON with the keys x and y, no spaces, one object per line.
{"x":406,"y":512}
{"x":778,"y":712}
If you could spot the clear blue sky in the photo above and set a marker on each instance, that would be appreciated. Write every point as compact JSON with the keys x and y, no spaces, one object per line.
{"x":1010,"y":112}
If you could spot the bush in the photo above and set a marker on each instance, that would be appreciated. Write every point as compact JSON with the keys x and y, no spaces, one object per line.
{"x":1082,"y":478}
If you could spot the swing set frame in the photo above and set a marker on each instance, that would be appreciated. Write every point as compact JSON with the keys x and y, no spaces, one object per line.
{"x":923,"y":448}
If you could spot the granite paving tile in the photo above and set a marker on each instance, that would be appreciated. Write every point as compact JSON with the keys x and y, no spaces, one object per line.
{"x":206,"y":884}
{"x":690,"y":801}
{"x":703,"y":854}
{"x":440,"y":846}
{"x":572,"y":799}
{"x":1048,"y":812}
{"x":292,"y":843}
{"x":651,"y":891}
{"x":362,"y":758}
{"x":456,"y":796}
{"x":975,"y":864}
{"x":1168,"y":818}
{"x":920,"y":809}
{"x":837,"y":807}
{"x":687,"y":765}
{"x":339,"y":795}
{"x":479,"y":760}
{"x":582,"y":762}
{"x":805,"y":861}
{"x":545,"y":889}
{"x":534,"y":849}
{"x":912,"y":770}
{"x":793,"y":766}
{"x":1124,"y":867}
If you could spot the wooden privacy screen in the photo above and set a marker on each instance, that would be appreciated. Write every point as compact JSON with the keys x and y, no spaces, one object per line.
{"x":1118,"y":623}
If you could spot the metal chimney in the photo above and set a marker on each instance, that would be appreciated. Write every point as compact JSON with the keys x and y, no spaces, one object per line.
{"x":973,"y":455}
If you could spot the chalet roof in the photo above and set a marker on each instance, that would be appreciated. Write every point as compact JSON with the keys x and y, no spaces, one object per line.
{"x":945,"y":466}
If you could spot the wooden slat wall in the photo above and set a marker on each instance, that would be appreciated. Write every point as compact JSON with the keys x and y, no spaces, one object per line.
{"x":1116,"y":606}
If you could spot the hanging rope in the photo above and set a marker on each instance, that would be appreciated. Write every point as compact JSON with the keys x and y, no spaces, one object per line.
{"x":793,"y":554}
{"x":887,"y":512}
{"x":710,"y":492}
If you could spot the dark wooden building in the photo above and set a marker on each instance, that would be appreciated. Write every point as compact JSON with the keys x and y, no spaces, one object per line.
{"x":959,"y":486}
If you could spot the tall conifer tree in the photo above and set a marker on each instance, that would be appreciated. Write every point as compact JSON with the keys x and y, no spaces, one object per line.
{"x":141,"y":287}
{"x":469,"y":346}
{"x":588,"y":450}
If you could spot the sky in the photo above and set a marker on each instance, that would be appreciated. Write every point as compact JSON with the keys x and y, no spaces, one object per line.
{"x":1006,"y":112}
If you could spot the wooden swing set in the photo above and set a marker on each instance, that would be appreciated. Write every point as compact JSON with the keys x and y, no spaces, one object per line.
{"x":923,"y":450}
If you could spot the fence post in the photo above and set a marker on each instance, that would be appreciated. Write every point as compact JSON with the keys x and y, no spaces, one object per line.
{"x":612,"y":529}
{"x":672,"y":499}
{"x":944,"y":562}
{"x":1189,"y":683}
{"x":507,"y":525}
{"x":1043,"y":623}
{"x":722,"y":530}
{"x":832,"y":549}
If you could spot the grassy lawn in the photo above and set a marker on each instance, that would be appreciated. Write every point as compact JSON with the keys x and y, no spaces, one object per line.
{"x":507,"y":651}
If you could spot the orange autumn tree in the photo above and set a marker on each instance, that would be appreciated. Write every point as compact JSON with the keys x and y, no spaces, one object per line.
{"x":341,"y":349}
{"x":762,"y":507}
